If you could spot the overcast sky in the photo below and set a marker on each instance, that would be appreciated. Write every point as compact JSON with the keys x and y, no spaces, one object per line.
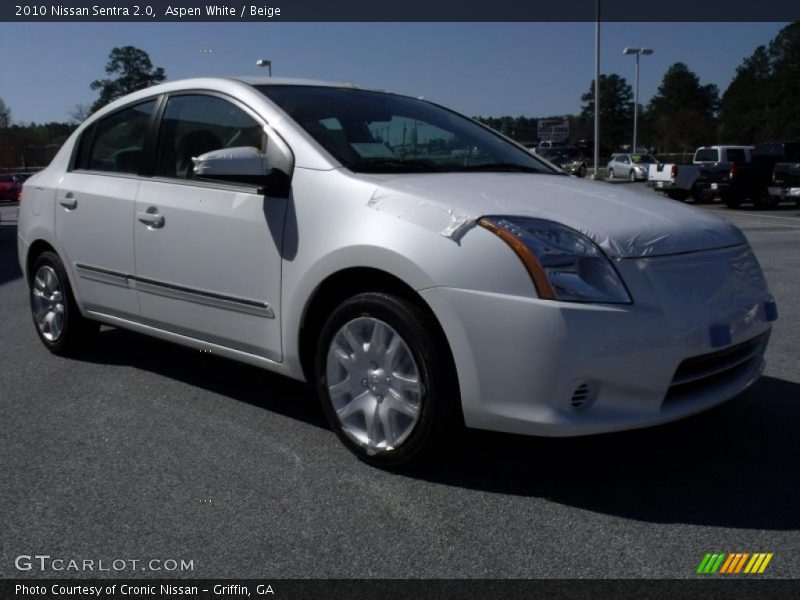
{"x":490,"y":69}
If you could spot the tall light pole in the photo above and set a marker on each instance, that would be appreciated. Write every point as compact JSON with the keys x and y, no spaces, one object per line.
{"x":263,"y":62}
{"x":597,"y":91}
{"x":637,"y":52}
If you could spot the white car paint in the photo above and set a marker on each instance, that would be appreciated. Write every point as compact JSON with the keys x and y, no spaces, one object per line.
{"x":519,"y":358}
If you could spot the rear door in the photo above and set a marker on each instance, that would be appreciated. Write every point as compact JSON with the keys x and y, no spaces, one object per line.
{"x":208,"y":253}
{"x":95,"y":209}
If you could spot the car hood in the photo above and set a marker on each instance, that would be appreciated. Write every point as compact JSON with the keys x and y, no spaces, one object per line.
{"x":624,"y":222}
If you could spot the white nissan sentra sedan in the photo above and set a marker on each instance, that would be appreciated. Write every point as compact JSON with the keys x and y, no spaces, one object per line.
{"x":418,"y":268}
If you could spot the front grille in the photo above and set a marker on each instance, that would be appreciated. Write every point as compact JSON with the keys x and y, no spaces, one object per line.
{"x":705,"y":371}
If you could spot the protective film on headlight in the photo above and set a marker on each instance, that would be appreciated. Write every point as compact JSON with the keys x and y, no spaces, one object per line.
{"x":575,"y":268}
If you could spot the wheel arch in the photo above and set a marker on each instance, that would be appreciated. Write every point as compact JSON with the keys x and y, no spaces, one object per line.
{"x":339,"y":286}
{"x":35,"y":250}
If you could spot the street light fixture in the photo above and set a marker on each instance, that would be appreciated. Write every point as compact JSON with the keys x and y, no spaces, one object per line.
{"x":637,"y":52}
{"x":263,"y":62}
{"x":596,"y":174}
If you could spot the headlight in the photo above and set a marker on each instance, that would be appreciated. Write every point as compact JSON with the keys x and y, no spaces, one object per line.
{"x":563,"y":263}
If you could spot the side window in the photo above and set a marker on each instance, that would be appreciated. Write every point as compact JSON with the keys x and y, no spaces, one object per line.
{"x":115,"y":143}
{"x":194,"y":124}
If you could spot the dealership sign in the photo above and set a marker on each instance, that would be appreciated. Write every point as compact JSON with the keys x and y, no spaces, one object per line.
{"x":553,"y":130}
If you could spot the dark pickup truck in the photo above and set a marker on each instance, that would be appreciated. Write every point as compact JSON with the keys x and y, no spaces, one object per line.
{"x":772,"y":175}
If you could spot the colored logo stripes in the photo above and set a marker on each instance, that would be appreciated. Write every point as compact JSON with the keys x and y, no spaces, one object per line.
{"x":736,"y":562}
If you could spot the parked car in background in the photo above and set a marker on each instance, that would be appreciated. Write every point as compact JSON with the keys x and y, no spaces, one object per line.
{"x":772,"y":175}
{"x":551,"y":144}
{"x":707,"y":176}
{"x":633,"y":167}
{"x":273,"y":222}
{"x":786,"y":175}
{"x":10,"y":187}
{"x":568,"y":158}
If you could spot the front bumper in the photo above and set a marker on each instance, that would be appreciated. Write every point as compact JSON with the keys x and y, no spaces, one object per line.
{"x":562,"y":369}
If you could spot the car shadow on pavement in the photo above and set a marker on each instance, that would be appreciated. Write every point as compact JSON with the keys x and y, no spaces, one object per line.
{"x":735,"y":466}
{"x":227,"y":378}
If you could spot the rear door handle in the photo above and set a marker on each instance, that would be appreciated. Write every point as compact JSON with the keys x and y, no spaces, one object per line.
{"x":151,"y":218}
{"x":68,"y":201}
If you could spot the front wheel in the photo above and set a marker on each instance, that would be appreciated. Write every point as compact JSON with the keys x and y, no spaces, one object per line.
{"x":611,"y":173}
{"x":582,"y":171}
{"x":58,"y":320}
{"x":385,"y":380}
{"x":632,"y":176}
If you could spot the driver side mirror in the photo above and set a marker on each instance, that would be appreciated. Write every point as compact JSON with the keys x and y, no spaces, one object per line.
{"x":271,"y":170}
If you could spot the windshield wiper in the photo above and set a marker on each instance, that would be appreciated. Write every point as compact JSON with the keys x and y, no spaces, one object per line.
{"x":500,"y":167}
{"x":396,"y":166}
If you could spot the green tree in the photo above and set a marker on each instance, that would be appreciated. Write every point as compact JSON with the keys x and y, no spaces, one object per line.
{"x":784,"y":88}
{"x":745,"y":110}
{"x":133,"y":70}
{"x":683,"y":112}
{"x":5,"y":115}
{"x":616,"y":110}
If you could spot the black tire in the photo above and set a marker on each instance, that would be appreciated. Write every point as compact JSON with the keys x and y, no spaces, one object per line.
{"x":701,"y":198}
{"x":77,"y":332}
{"x":611,"y":173}
{"x":632,"y":176}
{"x":439,"y":414}
{"x":679,"y":195}
{"x":762,"y":199}
{"x":582,"y":171}
{"x":731,"y":200}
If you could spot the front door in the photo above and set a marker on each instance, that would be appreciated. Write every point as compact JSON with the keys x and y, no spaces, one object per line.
{"x":208,"y":254}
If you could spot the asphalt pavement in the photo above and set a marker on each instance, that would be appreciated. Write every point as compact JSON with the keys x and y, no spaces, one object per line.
{"x":146,"y":450}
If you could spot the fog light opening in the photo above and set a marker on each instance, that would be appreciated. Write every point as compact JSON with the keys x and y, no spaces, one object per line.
{"x":582,"y":398}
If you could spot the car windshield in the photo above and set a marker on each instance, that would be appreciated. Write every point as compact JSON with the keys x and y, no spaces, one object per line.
{"x":6,"y":179}
{"x":643,"y":159}
{"x":376,"y":132}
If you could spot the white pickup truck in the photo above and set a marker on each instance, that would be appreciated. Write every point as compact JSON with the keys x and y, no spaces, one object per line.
{"x":708,"y":175}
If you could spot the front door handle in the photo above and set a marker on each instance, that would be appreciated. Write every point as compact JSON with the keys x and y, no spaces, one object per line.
{"x":151,"y":218}
{"x":68,"y":201}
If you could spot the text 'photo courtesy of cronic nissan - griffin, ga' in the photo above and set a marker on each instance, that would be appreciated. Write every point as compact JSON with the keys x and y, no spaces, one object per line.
{"x":294,"y":225}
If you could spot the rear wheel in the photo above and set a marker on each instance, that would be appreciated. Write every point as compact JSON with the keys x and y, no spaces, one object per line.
{"x":731,"y":200}
{"x":762,"y":199}
{"x":700,"y":197}
{"x":385,"y":380}
{"x":679,"y":195}
{"x":582,"y":171}
{"x":58,"y":320}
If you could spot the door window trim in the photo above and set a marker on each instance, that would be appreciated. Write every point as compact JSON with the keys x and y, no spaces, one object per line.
{"x":159,"y":98}
{"x":147,"y":167}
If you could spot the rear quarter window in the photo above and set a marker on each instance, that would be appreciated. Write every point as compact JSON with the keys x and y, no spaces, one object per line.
{"x":115,"y":144}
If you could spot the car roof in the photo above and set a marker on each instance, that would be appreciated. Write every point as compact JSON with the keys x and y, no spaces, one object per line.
{"x":261,"y":80}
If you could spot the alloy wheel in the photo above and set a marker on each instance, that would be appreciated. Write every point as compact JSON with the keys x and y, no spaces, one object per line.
{"x":374,"y":384}
{"x":48,"y":303}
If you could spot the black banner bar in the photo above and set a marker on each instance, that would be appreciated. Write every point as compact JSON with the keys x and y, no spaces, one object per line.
{"x":738,"y":588}
{"x":150,"y":11}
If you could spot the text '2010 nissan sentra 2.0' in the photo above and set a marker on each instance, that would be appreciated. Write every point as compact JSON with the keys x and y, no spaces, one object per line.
{"x":418,"y":268}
